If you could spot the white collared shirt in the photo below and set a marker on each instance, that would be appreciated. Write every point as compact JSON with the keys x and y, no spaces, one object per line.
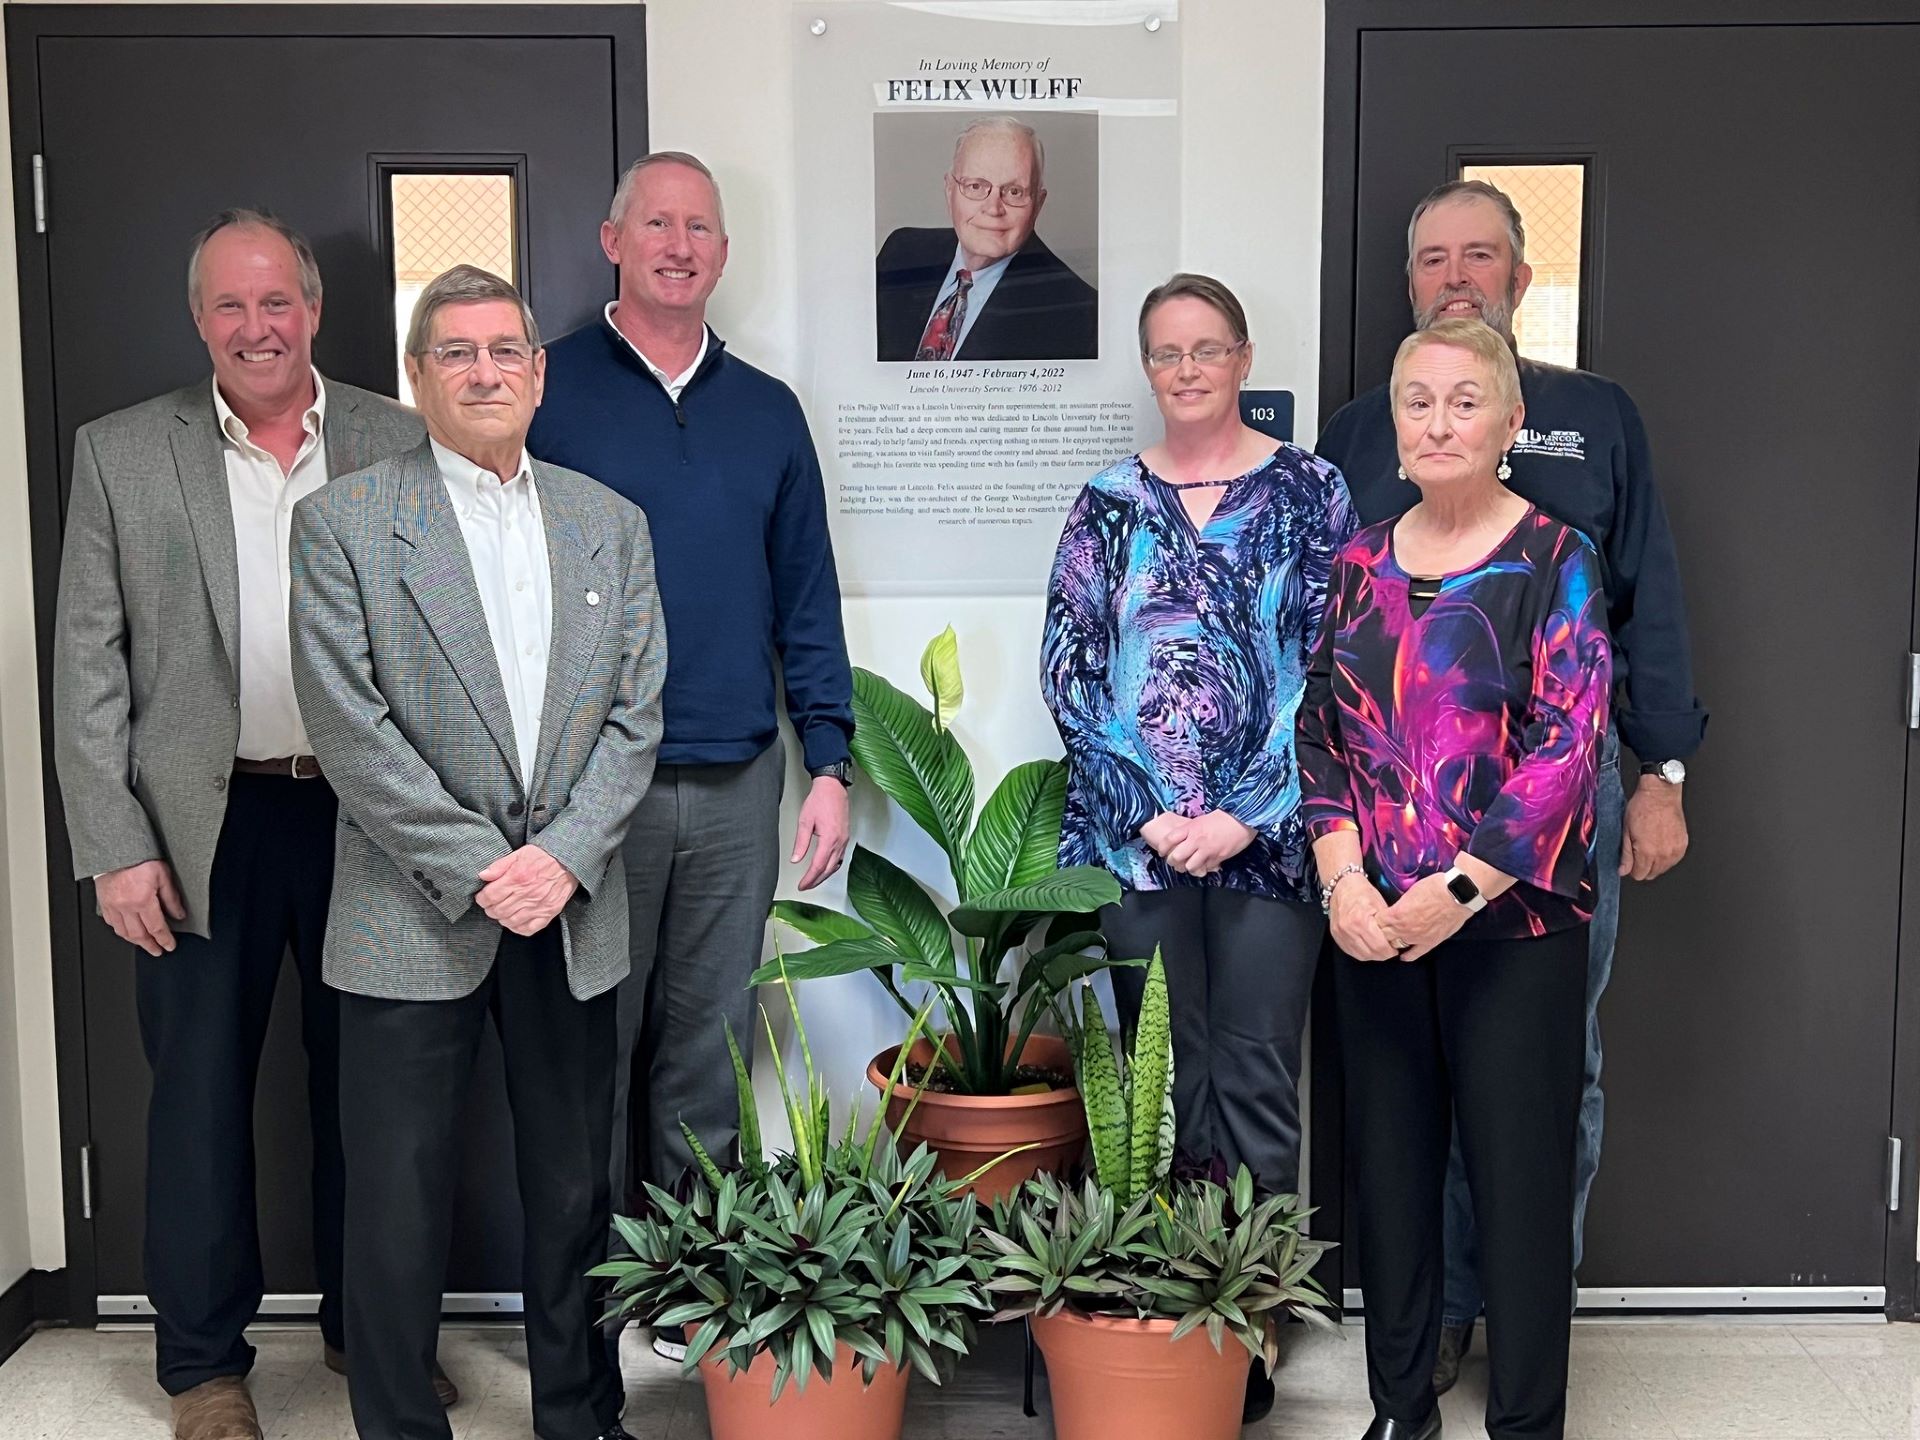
{"x":984,"y":281}
{"x":674,"y":384}
{"x":507,"y":546}
{"x":262,"y":496}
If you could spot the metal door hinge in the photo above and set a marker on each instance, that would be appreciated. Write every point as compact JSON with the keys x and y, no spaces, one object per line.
{"x":1913,"y":691}
{"x":1893,"y":1173}
{"x":86,"y":1182}
{"x":39,"y":194}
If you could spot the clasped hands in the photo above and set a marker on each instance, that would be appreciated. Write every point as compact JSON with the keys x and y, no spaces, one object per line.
{"x":1196,"y":844}
{"x":1368,"y":928}
{"x":525,"y":890}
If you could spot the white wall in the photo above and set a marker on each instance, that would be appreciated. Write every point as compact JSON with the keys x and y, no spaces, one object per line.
{"x":721,"y":80}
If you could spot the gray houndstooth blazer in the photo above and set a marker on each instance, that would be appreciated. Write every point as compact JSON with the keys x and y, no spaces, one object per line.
{"x":402,"y":698}
{"x":146,"y":659}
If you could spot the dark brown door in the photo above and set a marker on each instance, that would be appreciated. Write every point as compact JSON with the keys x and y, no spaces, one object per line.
{"x":1752,"y":281}
{"x":147,"y":120}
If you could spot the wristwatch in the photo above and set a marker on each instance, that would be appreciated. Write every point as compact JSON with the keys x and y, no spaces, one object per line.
{"x":841,"y":770}
{"x":1671,"y":771}
{"x":1460,"y":885}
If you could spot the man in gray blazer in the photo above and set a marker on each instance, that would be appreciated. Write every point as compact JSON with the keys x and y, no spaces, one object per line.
{"x":192,"y":798}
{"x":479,"y":655}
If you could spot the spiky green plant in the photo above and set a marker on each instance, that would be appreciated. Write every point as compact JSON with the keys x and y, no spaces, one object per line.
{"x":1134,"y":1240}
{"x":1013,"y":897}
{"x":832,"y":1243}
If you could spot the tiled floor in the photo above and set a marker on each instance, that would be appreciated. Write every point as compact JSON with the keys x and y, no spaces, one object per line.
{"x":1652,"y":1380}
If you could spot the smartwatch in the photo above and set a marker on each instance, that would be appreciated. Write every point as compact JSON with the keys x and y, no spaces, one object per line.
{"x":1460,"y":885}
{"x":1671,"y":771}
{"x":841,"y":770}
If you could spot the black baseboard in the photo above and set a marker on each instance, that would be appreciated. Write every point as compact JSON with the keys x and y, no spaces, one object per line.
{"x":27,"y":1304}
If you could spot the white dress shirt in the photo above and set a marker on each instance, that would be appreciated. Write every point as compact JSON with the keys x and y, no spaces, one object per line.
{"x":263,"y":496}
{"x":984,"y":280}
{"x":507,"y":546}
{"x":674,"y":383}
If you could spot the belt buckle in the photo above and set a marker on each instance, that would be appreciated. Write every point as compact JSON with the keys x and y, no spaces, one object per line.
{"x":312,"y":770}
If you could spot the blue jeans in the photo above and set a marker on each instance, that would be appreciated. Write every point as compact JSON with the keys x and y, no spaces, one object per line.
{"x":1463,"y":1303}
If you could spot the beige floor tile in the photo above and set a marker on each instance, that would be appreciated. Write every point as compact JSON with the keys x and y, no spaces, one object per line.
{"x":1878,"y":1340}
{"x":1704,"y":1395}
{"x":1654,"y":1338}
{"x":1883,"y":1388}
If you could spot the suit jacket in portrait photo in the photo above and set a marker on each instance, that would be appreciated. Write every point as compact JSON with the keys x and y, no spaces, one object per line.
{"x":1039,"y":310}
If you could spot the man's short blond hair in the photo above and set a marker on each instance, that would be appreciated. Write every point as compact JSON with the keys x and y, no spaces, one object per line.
{"x":1478,"y":339}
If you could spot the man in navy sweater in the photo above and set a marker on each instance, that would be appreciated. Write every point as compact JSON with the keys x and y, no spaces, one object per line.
{"x":1583,"y":458}
{"x":649,"y":402}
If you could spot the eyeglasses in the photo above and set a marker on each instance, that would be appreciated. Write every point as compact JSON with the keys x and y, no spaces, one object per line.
{"x":1212,"y":353}
{"x":458,"y":355}
{"x":1015,"y":194}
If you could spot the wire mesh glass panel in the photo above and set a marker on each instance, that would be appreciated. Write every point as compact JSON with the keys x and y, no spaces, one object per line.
{"x":440,"y":221}
{"x":1550,"y":199}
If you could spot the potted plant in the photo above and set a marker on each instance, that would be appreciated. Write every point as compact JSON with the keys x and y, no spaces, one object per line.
{"x":1149,"y":1292}
{"x":809,"y":1286}
{"x":1020,"y":933}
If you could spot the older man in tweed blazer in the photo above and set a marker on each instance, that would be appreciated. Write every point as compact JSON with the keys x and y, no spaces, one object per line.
{"x":479,"y":656}
{"x":192,"y":799}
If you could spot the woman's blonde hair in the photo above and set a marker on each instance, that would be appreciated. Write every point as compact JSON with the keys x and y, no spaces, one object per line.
{"x":1478,"y":339}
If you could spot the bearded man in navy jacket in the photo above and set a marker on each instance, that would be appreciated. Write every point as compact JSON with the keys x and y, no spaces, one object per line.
{"x":649,"y":401}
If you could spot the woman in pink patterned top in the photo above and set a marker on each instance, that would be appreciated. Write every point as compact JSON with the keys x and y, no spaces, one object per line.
{"x":1449,"y":747}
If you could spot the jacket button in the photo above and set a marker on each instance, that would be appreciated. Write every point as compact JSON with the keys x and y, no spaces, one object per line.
{"x":418,"y":876}
{"x":435,"y":894}
{"x":219,"y":782}
{"x":515,"y":808}
{"x":236,"y":702}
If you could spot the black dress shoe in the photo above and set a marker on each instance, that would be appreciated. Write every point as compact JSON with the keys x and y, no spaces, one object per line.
{"x":618,"y":1432}
{"x":1382,"y":1429}
{"x":1259,"y":1394}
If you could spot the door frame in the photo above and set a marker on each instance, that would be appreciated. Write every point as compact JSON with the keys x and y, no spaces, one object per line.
{"x":1347,"y":21}
{"x":624,"y":29}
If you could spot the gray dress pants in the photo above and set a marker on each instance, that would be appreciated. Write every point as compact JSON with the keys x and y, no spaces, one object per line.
{"x":1239,"y":974}
{"x":702,"y":857}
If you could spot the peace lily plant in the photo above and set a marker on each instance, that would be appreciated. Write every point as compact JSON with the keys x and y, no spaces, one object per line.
{"x":1020,"y":929}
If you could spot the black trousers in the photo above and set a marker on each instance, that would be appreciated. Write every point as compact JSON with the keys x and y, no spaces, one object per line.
{"x":1491,"y":1033}
{"x":405,"y":1066}
{"x":1239,"y":974}
{"x":203,"y":1019}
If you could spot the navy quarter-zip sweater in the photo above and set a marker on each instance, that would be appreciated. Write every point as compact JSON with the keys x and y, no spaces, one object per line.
{"x":732,"y":492}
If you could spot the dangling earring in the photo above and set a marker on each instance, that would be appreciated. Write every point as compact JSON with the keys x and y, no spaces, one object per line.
{"x":1505,"y":472}
{"x":1401,"y":471}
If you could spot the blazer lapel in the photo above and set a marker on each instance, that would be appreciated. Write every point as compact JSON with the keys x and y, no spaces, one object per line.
{"x":584,"y":595}
{"x":202,"y":471}
{"x":439,"y":575}
{"x":349,"y":447}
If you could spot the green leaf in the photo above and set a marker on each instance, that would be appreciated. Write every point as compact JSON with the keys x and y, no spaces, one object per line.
{"x":837,"y":957}
{"x":1077,"y":887}
{"x":704,"y":1160}
{"x":920,"y":767}
{"x":1152,"y":1090}
{"x":1016,"y":840}
{"x":894,"y":903}
{"x":751,"y":1154}
{"x":817,"y":923}
{"x":1098,"y":1075}
{"x":940,"y":673}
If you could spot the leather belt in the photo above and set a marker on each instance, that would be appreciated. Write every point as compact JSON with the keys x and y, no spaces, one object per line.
{"x":299,"y":767}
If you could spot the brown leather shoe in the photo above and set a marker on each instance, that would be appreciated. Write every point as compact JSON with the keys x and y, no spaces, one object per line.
{"x":444,"y":1390}
{"x":217,"y":1409}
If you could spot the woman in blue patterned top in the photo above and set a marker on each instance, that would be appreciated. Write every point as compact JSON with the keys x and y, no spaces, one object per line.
{"x":1184,"y":606}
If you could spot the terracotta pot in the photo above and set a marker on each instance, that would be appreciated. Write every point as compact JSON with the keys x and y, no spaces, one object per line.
{"x":967,"y":1131}
{"x":844,"y":1408}
{"x":1124,"y":1379}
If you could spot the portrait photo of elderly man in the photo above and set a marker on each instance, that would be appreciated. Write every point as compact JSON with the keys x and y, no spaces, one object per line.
{"x":985,"y":286}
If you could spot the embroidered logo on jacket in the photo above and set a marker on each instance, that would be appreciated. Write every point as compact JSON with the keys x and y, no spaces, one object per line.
{"x":1560,"y":444}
